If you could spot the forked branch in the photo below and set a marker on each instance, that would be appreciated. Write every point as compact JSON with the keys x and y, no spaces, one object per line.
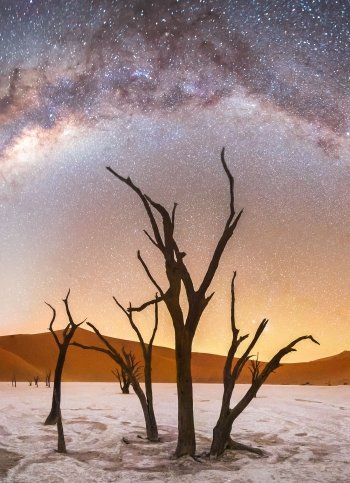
{"x":146,"y":202}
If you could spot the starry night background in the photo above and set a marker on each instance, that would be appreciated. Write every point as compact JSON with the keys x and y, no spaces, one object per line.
{"x":155,"y":89}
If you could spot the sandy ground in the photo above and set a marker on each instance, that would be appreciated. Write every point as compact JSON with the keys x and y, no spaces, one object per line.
{"x":304,"y":429}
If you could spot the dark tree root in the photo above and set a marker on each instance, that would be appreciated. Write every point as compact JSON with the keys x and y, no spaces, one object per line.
{"x":235,"y":446}
{"x":51,"y":420}
{"x":158,"y":440}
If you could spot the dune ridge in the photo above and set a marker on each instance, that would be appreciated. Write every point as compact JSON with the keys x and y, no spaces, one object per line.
{"x":28,"y":355}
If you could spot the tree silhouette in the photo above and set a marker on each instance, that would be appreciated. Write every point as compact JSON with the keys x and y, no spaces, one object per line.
{"x":124,"y":380}
{"x":221,"y":433}
{"x":126,"y":360}
{"x":48,"y":378}
{"x":255,"y":368}
{"x":67,"y":336}
{"x":178,"y":276}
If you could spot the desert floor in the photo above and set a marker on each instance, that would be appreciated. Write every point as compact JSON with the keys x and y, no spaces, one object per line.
{"x":305,"y":431}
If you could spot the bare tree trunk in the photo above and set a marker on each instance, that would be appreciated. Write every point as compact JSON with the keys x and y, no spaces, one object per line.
{"x":149,"y":398}
{"x":186,"y":443}
{"x":222,"y":431}
{"x":150,"y":420}
{"x":221,"y":437}
{"x":61,"y":443}
{"x":56,"y":399}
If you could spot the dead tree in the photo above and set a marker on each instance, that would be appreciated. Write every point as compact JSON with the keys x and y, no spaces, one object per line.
{"x":67,"y":336}
{"x":14,"y":381}
{"x":127,"y":363}
{"x":178,"y":276}
{"x":123,"y":377}
{"x":124,"y":380}
{"x":30,"y":382}
{"x":232,"y":370}
{"x":255,"y":368}
{"x":48,"y":378}
{"x":147,"y":357}
{"x":36,"y":381}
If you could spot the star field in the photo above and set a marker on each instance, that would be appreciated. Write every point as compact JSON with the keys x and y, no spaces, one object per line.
{"x":155,"y":89}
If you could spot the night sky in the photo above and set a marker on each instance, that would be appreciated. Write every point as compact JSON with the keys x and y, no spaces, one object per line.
{"x":156,"y":89}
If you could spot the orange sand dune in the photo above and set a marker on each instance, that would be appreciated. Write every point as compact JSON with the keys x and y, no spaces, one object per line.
{"x":12,"y":365}
{"x":29,"y":355}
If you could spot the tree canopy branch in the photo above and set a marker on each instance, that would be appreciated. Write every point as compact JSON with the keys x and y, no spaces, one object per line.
{"x":65,"y":300}
{"x":105,"y":341}
{"x":51,"y":324}
{"x":148,"y":272}
{"x":156,"y":321}
{"x":232,"y":185}
{"x":145,"y":201}
{"x":93,"y":347}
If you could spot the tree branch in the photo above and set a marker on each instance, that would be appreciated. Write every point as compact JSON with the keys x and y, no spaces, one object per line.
{"x":121,"y":306}
{"x":173,"y":215}
{"x":107,"y":344}
{"x":93,"y":347}
{"x":150,"y":238}
{"x":220,"y":247}
{"x":232,"y":185}
{"x":227,"y":233}
{"x":136,"y":329}
{"x":51,"y":325}
{"x":156,"y":320}
{"x":148,"y":303}
{"x":70,"y":318}
{"x":150,"y":276}
{"x":146,"y":203}
{"x":246,"y":356}
{"x":274,"y":363}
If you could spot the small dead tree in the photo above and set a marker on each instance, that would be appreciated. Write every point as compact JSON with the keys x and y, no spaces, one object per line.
{"x":36,"y":381}
{"x":48,"y":378}
{"x":147,"y":357}
{"x":123,"y":377}
{"x":255,"y":369}
{"x":127,"y":363}
{"x":185,"y":316}
{"x":232,"y":370}
{"x":14,"y":381}
{"x":30,"y":382}
{"x":67,"y":336}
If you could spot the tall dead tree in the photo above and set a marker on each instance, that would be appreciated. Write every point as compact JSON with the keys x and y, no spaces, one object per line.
{"x":62,"y":346}
{"x":232,"y":370}
{"x":125,"y":361}
{"x":178,"y":275}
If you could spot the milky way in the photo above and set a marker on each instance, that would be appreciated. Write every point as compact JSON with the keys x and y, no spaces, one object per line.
{"x":155,"y":89}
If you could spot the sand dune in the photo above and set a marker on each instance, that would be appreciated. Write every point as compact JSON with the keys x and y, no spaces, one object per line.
{"x":34,"y":354}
